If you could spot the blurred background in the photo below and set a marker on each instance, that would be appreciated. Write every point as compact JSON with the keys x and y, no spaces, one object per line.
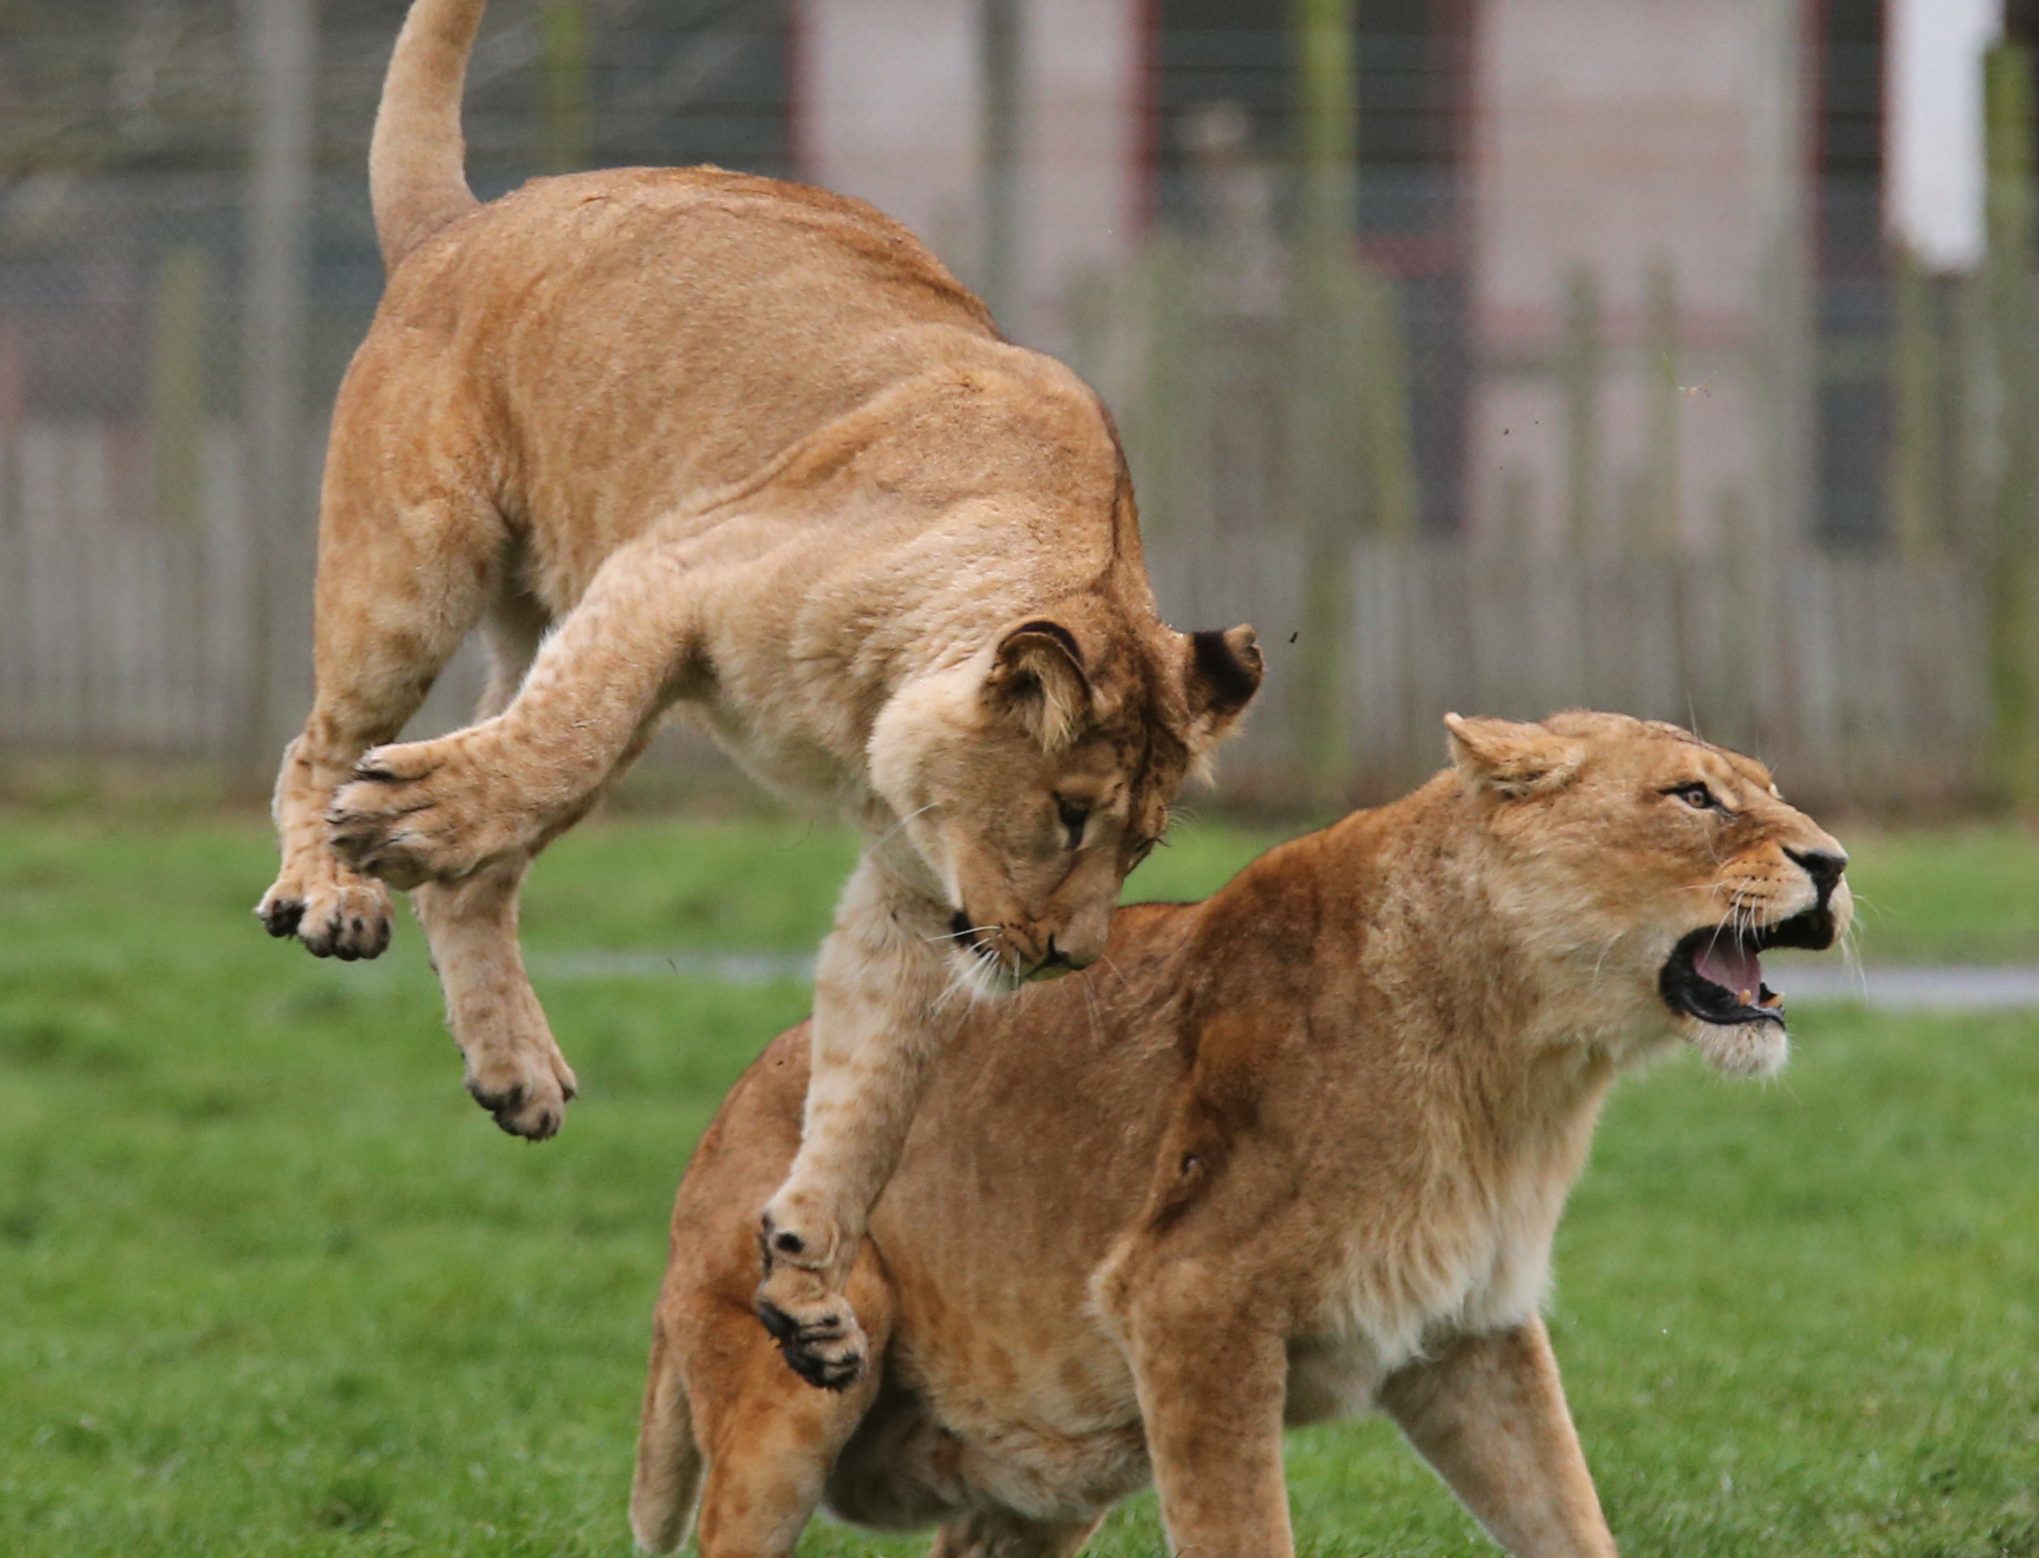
{"x":1495,"y":355}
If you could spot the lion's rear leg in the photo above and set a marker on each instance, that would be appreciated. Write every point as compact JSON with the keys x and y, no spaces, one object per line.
{"x":767,"y":1441}
{"x":514,"y":1067}
{"x":396,"y":595}
{"x":667,"y":1483}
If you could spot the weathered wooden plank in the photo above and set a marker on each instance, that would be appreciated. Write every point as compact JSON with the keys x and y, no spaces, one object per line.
{"x":1863,"y":675}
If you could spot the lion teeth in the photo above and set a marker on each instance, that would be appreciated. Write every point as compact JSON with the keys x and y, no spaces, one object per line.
{"x":1748,"y":998}
{"x":1773,"y":998}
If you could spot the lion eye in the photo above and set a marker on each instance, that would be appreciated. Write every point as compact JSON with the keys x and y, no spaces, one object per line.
{"x":1073,"y":818}
{"x":1695,"y":795}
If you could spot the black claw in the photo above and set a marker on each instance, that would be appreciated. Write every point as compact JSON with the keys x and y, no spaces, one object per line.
{"x":283,"y":918}
{"x":822,"y":1374}
{"x":796,"y":1344}
{"x":784,"y":1327}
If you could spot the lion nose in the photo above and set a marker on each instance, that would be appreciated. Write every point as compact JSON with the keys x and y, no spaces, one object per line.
{"x":1064,"y":957}
{"x":1824,"y":866}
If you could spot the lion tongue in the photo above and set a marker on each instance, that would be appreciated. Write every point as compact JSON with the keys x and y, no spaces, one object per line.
{"x":1732,"y":968}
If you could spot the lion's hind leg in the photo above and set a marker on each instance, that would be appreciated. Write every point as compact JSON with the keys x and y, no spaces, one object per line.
{"x":667,"y":1483}
{"x":720,"y":1405}
{"x":514,"y":1067}
{"x":396,"y":594}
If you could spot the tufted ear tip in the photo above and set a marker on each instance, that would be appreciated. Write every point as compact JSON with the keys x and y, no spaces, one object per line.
{"x":1225,"y":671}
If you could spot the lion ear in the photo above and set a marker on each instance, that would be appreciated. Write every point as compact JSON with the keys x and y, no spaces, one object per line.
{"x":1222,"y":674}
{"x":1508,"y":758}
{"x":1037,"y":677}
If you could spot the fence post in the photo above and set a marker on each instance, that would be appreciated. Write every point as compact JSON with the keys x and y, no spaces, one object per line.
{"x":177,"y":385}
{"x":2012,"y":267}
{"x":1580,"y":374}
{"x":563,"y":56}
{"x":1783,"y":357}
{"x":1918,"y":490}
{"x":1662,"y":481}
{"x":1000,"y":67}
{"x":279,"y":40}
{"x":1382,"y":389}
{"x":1173,"y":423}
{"x":1317,"y":451}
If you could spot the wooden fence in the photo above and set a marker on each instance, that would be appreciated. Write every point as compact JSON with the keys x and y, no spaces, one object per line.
{"x":1861,"y":677}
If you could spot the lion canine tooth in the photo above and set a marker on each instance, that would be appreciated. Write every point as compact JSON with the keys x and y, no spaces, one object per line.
{"x":1774,"y":998}
{"x":1748,"y":998}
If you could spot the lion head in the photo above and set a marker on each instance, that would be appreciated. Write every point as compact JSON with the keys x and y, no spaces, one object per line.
{"x":1031,"y":777}
{"x":1656,"y":869}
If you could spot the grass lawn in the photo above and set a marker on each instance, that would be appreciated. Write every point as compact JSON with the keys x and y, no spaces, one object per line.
{"x":269,"y":1282}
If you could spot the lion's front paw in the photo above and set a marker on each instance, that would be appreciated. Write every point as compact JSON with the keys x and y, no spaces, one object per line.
{"x":423,"y":811}
{"x":815,"y":1329}
{"x":525,"y":1086}
{"x":338,"y":915}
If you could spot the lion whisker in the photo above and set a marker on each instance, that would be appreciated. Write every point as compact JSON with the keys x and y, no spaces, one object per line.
{"x":1606,"y":947}
{"x":958,"y":935}
{"x":1090,"y":1005}
{"x":882,"y":838}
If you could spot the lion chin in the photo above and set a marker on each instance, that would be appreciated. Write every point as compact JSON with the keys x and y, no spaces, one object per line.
{"x":1713,"y":982}
{"x":1743,"y":1049}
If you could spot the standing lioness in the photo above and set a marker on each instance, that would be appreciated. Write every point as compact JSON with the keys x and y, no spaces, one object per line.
{"x":747,"y":446}
{"x":1295,"y":1151}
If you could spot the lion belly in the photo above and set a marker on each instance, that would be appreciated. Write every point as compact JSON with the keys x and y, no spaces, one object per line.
{"x":1059,"y":1444}
{"x":799,"y":770}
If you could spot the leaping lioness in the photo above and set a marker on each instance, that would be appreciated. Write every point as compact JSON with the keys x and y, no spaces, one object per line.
{"x":1295,"y":1151}
{"x":686,"y":436}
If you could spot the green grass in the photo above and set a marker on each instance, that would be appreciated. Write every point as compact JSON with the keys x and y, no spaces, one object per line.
{"x":1954,"y":895}
{"x":270,"y":1283}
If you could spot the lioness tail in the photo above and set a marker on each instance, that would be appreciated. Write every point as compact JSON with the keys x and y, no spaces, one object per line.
{"x":417,"y":182}
{"x":668,"y":1479}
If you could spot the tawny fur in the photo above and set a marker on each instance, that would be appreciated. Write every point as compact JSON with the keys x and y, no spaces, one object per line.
{"x":692,"y":437}
{"x":1293,"y":1152}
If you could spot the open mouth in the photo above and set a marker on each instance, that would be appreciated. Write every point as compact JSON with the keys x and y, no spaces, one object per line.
{"x":1716,"y":973}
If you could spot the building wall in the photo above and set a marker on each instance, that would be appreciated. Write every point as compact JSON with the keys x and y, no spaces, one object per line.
{"x":1629,"y":136}
{"x":887,"y":108}
{"x":890,"y":107}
